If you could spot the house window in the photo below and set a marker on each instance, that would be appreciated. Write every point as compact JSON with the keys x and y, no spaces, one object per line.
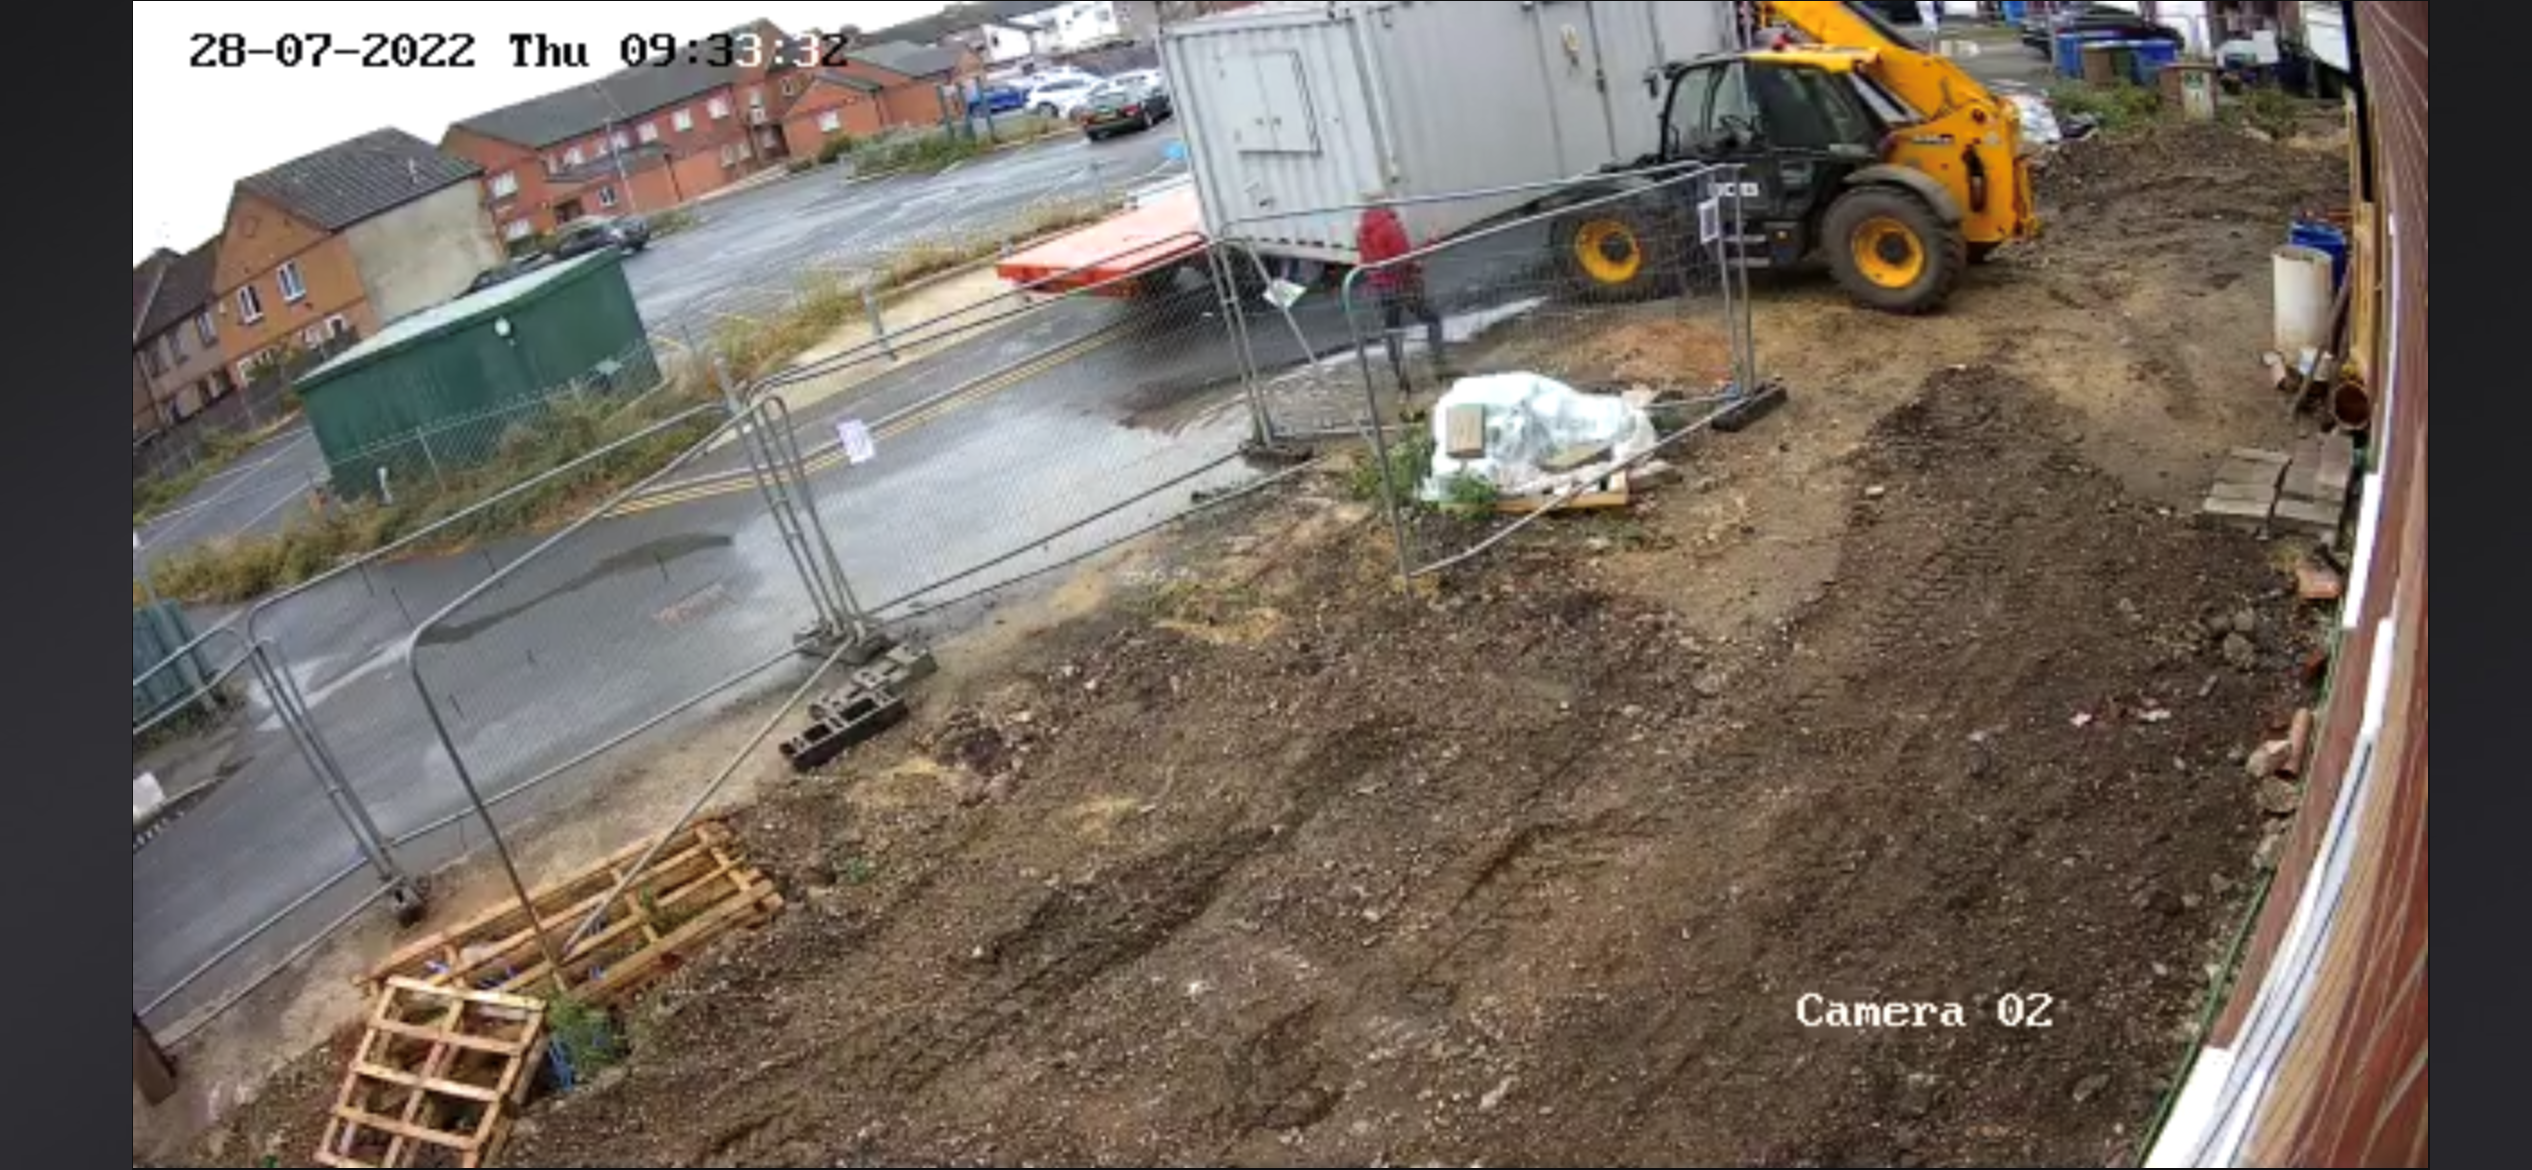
{"x":517,"y":229}
{"x":150,"y":361}
{"x":250,"y":304}
{"x":718,"y":107}
{"x":729,"y":154}
{"x":253,"y":364}
{"x":505,"y":185}
{"x":173,"y":342}
{"x":831,"y":121}
{"x":683,"y":120}
{"x":310,"y":336}
{"x":204,"y":329}
{"x":572,"y":157}
{"x":622,"y":140}
{"x":647,"y":132}
{"x":287,"y":276}
{"x":336,"y":326}
{"x":606,"y":196}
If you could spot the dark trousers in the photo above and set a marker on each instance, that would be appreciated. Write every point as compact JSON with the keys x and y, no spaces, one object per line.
{"x":1398,"y":304}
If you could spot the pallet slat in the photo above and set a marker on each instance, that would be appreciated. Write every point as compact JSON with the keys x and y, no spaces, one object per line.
{"x":423,"y":1092}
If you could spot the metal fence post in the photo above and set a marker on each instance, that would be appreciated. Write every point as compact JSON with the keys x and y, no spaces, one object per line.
{"x":763,"y":461}
{"x":878,"y":326}
{"x":432,"y":461}
{"x":295,"y":720}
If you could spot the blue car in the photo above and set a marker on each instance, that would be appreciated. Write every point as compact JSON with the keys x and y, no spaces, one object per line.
{"x":1001,"y":99}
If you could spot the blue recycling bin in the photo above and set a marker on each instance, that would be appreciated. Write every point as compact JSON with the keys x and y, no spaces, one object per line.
{"x":2152,"y":57}
{"x":2070,"y":50}
{"x":2015,"y":11}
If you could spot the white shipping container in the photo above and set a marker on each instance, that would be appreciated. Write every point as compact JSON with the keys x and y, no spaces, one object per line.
{"x":1292,"y":108}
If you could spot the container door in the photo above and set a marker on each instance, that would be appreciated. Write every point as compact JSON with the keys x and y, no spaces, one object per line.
{"x":1266,"y":102}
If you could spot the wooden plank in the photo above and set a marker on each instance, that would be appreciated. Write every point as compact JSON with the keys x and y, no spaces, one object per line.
{"x":704,"y":834}
{"x":687,"y":938}
{"x":1464,"y":431}
{"x":379,"y":1072}
{"x":1524,"y":505}
{"x":401,"y":1130}
{"x":452,"y":1039}
{"x":468,"y":994}
{"x":592,"y":945}
{"x":520,"y":946}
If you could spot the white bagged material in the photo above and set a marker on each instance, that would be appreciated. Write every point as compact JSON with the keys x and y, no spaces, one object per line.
{"x":1528,"y":419}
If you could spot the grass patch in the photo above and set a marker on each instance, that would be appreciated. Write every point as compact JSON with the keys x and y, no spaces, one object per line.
{"x":151,"y":497}
{"x":672,"y":221}
{"x":235,"y":569}
{"x":584,"y":1035}
{"x":2267,"y":109}
{"x":1410,"y":459}
{"x":2117,"y":107}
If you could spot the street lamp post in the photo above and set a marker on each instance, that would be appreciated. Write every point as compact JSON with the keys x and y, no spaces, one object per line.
{"x":615,"y":120}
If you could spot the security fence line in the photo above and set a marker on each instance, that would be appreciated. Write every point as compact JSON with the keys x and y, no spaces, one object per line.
{"x":436,"y":450}
{"x":1674,"y":223}
{"x":553,"y":661}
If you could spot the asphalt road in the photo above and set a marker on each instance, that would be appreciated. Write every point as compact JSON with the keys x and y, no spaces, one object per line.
{"x":656,"y":604}
{"x":744,"y":255}
{"x":749,"y":249}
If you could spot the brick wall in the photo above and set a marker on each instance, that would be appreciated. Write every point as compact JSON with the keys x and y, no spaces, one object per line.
{"x":260,"y":238}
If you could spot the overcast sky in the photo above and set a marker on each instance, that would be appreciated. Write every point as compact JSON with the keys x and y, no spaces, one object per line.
{"x":196,"y":131}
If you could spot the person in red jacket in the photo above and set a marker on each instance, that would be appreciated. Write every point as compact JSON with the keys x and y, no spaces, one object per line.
{"x":1397,"y":285}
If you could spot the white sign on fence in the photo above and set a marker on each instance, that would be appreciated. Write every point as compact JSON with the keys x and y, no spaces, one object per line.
{"x":1709,"y":220}
{"x":854,"y":436}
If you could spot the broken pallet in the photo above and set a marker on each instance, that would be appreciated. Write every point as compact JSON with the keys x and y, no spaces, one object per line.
{"x":697,"y":889}
{"x":437,"y":1072}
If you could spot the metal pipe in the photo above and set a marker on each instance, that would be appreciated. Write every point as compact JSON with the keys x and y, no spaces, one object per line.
{"x":224,"y":954}
{"x":1066,"y":530}
{"x":633,"y":872}
{"x":330,"y":771}
{"x":789,"y":437}
{"x":1241,"y":492}
{"x":613,"y":742}
{"x":212,"y":684}
{"x":298,"y":953}
{"x":760,"y":465}
{"x":439,"y":724}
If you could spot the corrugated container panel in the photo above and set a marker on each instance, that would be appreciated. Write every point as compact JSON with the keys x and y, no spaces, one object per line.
{"x":1300,"y":107}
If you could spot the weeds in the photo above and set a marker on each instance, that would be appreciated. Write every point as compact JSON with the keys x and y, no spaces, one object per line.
{"x":235,"y":569}
{"x":1409,"y":460}
{"x":672,"y":221}
{"x":1465,"y":495}
{"x":2114,"y":107}
{"x":2267,"y":109}
{"x":584,"y":1036}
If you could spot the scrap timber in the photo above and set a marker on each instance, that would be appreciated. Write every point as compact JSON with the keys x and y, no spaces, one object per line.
{"x":697,"y":890}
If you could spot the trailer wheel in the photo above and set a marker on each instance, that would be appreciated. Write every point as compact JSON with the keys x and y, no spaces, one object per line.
{"x":1611,"y":253}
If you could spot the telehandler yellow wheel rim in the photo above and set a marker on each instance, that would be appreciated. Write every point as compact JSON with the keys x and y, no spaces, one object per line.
{"x":1887,"y":253}
{"x":1606,"y":250}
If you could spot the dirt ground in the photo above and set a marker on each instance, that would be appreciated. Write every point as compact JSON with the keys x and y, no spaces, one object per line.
{"x":1911,"y":692}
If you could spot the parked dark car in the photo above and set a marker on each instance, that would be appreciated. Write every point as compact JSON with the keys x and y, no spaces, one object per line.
{"x":2040,"y":29}
{"x":508,"y":272}
{"x":590,"y":233}
{"x":1120,"y":107}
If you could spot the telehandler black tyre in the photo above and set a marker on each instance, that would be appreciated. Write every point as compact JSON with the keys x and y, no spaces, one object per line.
{"x":1617,"y":252}
{"x":1890,"y":251}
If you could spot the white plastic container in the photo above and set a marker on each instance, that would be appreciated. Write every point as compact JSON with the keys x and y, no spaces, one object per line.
{"x":2303,"y":295}
{"x":147,"y":798}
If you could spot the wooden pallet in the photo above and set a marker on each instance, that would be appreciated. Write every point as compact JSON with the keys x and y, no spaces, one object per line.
{"x":697,"y":890}
{"x":435,"y":1077}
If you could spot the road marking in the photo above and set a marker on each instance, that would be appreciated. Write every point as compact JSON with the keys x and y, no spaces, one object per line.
{"x":921,"y":414}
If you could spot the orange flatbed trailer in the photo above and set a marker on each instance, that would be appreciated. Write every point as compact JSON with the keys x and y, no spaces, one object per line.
{"x":1163,"y":232}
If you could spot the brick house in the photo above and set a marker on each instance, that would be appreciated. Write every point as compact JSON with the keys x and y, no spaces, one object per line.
{"x":638,"y":140}
{"x":888,"y":85}
{"x":343,"y":241}
{"x":178,"y":367}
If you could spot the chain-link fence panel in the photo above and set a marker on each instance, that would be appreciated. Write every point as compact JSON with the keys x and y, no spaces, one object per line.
{"x":610,"y":630}
{"x":235,"y":875}
{"x":1563,"y":347}
{"x":1064,"y":426}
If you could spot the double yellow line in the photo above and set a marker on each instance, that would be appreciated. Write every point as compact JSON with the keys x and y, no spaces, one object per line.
{"x":831,"y":454}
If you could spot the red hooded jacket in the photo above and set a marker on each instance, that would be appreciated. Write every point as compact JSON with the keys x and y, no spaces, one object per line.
{"x":1383,"y":236}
